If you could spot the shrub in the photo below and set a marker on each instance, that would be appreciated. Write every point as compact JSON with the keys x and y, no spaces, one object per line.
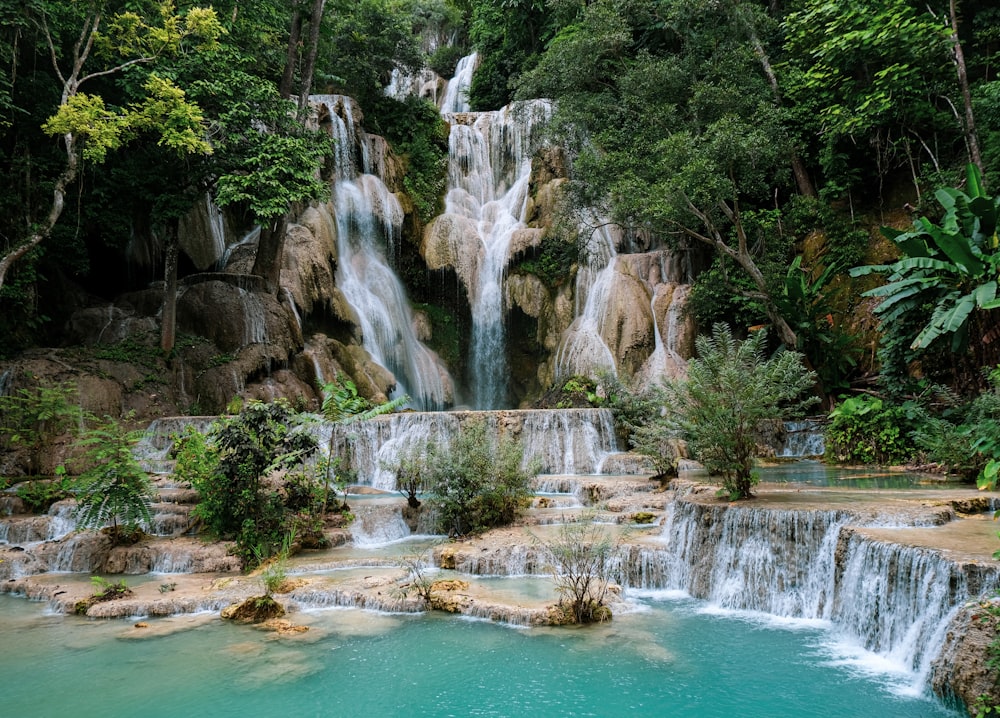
{"x":115,"y":489}
{"x":580,"y":557}
{"x":477,"y":482}
{"x":33,"y":418}
{"x":865,"y":429}
{"x":236,"y":501}
{"x":732,"y":392}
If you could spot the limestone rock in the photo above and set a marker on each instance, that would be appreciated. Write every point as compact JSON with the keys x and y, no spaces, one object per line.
{"x":445,"y":246}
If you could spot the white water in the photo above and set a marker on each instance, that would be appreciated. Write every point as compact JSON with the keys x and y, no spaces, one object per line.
{"x":802,"y":438}
{"x":583,"y":350}
{"x":369,"y":219}
{"x":573,"y":441}
{"x":456,"y":96}
{"x":489,"y":165}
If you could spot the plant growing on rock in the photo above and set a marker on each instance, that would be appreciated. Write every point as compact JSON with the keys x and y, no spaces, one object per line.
{"x":33,"y":418}
{"x":580,"y":557}
{"x":104,"y":590}
{"x":236,"y":499}
{"x":731,"y":393}
{"x":477,"y":482}
{"x":115,"y":489}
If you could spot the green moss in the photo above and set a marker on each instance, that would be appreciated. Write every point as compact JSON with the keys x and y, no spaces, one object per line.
{"x":445,"y":338}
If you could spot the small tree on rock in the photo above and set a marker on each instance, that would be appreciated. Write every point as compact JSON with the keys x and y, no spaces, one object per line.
{"x":731,"y":393}
{"x":115,"y":489}
{"x":580,"y":558}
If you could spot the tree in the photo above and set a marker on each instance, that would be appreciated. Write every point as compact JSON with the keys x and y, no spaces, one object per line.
{"x":115,"y":489}
{"x":732,"y":392}
{"x":674,"y":124}
{"x":948,"y":269}
{"x":87,"y":127}
{"x":581,"y":557}
{"x":235,"y":499}
{"x":477,"y":482}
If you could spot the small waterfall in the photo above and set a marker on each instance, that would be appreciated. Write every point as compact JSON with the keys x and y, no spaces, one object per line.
{"x":802,"y":438}
{"x":5,"y":380}
{"x":569,"y":442}
{"x":572,"y":441}
{"x":378,"y":525}
{"x":62,"y":520}
{"x":489,"y":165}
{"x":583,"y":349}
{"x":456,"y":96}
{"x":254,"y":318}
{"x":369,"y":220}
{"x":890,"y":599}
{"x":251,"y":237}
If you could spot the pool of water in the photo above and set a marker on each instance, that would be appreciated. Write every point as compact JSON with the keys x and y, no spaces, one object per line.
{"x":671,"y":658}
{"x":816,"y":473}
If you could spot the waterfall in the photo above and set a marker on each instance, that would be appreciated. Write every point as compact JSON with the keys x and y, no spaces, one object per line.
{"x":489,"y":165}
{"x":378,"y":525}
{"x":583,"y":349}
{"x":456,"y":96}
{"x":802,"y":438}
{"x":890,"y":599}
{"x":254,"y":318}
{"x":369,"y":220}
{"x":573,"y":441}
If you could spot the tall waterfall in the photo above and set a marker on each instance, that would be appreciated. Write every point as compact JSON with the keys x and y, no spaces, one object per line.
{"x":369,"y":219}
{"x":489,"y":165}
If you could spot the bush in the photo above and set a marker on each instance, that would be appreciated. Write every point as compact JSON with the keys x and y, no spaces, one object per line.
{"x":34,"y":418}
{"x":732,"y":392}
{"x":867,"y":430}
{"x":236,"y":500}
{"x":580,"y":556}
{"x":115,"y":489}
{"x":477,"y":482}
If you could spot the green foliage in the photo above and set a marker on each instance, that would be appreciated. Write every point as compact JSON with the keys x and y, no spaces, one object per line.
{"x":553,"y":261}
{"x":731,"y":393}
{"x":477,"y":482}
{"x":865,"y":79}
{"x":114,"y":489}
{"x":35,"y":417}
{"x":104,"y":590}
{"x":581,"y":559}
{"x":950,"y":268}
{"x":867,"y":430}
{"x":417,"y":134}
{"x":40,"y":494}
{"x":236,"y":500}
{"x":631,"y":408}
{"x":446,"y":340}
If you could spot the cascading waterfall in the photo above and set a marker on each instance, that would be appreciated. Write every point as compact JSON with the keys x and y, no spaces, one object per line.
{"x":368,"y":219}
{"x":802,"y":438}
{"x":456,"y":96}
{"x":377,"y":525}
{"x":890,"y":599}
{"x":574,"y":441}
{"x":489,"y":165}
{"x":583,"y":350}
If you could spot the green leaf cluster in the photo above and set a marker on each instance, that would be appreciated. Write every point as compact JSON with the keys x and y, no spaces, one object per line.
{"x":477,"y":482}
{"x":732,"y":392}
{"x":865,"y":429}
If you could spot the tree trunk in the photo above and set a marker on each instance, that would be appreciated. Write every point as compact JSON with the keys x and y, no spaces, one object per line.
{"x":802,"y":180}
{"x":294,"y":32}
{"x":971,"y":136}
{"x":267,"y":263}
{"x":58,"y":202}
{"x":168,"y":314}
{"x":315,"y":20}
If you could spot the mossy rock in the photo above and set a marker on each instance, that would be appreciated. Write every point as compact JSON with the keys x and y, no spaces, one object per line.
{"x":256,"y":609}
{"x":643,"y":517}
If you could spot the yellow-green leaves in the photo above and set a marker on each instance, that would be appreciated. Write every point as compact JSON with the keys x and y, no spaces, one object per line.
{"x":164,"y":111}
{"x":129,"y":35}
{"x":85,"y":116}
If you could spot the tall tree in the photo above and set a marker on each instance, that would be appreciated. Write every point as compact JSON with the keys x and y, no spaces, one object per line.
{"x":89,"y":129}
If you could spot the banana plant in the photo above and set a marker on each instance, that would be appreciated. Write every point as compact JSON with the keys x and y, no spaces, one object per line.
{"x":342,"y":404}
{"x":951,"y":267}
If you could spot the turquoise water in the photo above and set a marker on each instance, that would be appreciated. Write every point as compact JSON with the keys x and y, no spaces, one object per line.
{"x":669,"y":658}
{"x":816,"y":473}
